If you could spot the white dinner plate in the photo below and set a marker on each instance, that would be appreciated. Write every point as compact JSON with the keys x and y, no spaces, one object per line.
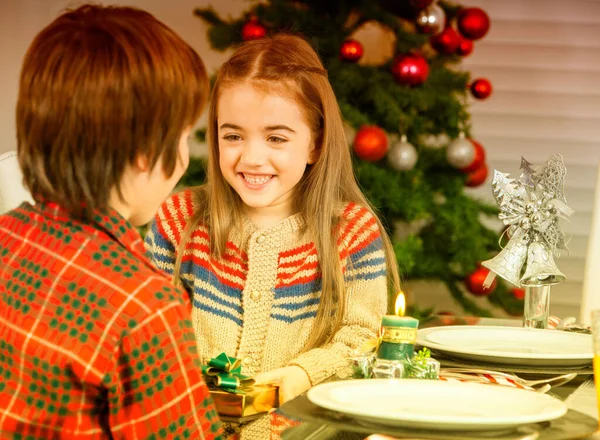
{"x":435,"y":404}
{"x":510,"y":345}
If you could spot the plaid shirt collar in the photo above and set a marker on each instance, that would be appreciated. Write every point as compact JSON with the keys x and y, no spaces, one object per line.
{"x":110,"y":222}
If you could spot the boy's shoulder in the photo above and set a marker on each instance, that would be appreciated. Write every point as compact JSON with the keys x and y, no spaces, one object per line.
{"x":157,"y":292}
{"x":126,"y":272}
{"x":132,"y":288}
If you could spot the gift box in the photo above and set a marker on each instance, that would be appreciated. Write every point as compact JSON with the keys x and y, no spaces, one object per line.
{"x":237,"y":399}
{"x":241,"y":408}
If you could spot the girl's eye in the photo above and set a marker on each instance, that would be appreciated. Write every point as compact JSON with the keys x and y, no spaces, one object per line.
{"x":232,"y":137}
{"x":276,"y":139}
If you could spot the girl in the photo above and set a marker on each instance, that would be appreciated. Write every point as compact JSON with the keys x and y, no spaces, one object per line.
{"x":286,"y":264}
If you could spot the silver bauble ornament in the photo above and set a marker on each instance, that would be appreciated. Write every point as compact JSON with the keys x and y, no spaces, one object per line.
{"x":460,"y":152}
{"x":402,"y":156}
{"x":432,"y":19}
{"x":434,"y":141}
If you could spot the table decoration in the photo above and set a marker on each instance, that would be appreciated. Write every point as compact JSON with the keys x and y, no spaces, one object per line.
{"x":392,"y":355}
{"x":502,"y":378}
{"x":236,"y":397}
{"x":531,"y":208}
{"x":399,"y":334}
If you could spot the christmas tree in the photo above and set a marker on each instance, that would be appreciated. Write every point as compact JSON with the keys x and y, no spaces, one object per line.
{"x":409,"y":123}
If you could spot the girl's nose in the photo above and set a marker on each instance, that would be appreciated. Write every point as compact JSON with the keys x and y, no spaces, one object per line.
{"x":253,"y":154}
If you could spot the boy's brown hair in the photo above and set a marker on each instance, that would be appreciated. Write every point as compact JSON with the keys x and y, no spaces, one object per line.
{"x":100,"y":87}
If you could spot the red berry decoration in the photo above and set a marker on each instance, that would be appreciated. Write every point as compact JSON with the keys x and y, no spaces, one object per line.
{"x":445,"y":42}
{"x":473,"y":23}
{"x":370,"y":143}
{"x":465,"y":47}
{"x":410,"y":69}
{"x":481,"y":88}
{"x":518,"y":293}
{"x":477,"y":177}
{"x":475,"y":280}
{"x":351,"y":50}
{"x":478,"y":160}
{"x":446,"y":318}
{"x":253,"y":30}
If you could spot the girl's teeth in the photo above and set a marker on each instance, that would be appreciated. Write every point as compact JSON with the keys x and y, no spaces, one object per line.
{"x":257,"y":180}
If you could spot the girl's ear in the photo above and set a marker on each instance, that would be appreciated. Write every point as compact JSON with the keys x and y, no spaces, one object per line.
{"x":313,"y":155}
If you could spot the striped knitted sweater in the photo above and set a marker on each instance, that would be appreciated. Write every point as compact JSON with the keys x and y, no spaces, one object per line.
{"x":258,"y":303}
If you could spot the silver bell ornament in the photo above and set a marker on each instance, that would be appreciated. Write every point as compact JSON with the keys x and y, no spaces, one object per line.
{"x":531,"y":207}
{"x":432,"y":19}
{"x":402,"y":156}
{"x":460,"y":152}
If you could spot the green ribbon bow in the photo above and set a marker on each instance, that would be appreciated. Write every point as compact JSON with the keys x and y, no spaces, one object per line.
{"x":226,"y":373}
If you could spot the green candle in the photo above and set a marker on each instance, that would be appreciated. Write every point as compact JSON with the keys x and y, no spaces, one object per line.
{"x":399,"y":337}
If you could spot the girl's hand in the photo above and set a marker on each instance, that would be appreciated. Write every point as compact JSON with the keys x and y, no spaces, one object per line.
{"x":292,"y":381}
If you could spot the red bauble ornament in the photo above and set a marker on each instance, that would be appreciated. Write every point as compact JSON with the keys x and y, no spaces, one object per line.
{"x":481,"y":88}
{"x":518,"y":292}
{"x":351,"y":50}
{"x":477,"y":177}
{"x":410,"y":69}
{"x":478,"y":160}
{"x":473,"y":23}
{"x":445,"y":42}
{"x":253,"y":30}
{"x":370,"y":143}
{"x":465,"y":47}
{"x":474,"y":282}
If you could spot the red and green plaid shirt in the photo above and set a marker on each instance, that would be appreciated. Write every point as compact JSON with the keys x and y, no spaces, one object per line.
{"x":94,"y":341}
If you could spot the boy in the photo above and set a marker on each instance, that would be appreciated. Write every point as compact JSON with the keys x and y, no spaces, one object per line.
{"x":94,"y":341}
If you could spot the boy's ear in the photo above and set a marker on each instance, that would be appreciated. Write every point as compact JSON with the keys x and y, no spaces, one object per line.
{"x":142,"y":163}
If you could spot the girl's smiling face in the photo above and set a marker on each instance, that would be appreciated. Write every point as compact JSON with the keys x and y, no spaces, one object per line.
{"x":265,"y":145}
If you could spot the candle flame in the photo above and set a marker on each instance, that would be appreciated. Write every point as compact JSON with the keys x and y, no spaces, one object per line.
{"x":400,"y":304}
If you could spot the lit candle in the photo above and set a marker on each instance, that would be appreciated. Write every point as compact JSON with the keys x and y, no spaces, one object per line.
{"x":399,"y":333}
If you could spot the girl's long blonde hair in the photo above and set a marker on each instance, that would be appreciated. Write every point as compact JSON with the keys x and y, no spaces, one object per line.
{"x":288,"y":64}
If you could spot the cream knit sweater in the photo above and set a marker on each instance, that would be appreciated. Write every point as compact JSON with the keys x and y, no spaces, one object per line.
{"x":258,"y":303}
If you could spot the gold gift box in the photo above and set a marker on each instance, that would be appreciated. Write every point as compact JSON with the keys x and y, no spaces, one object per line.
{"x":244,"y":407}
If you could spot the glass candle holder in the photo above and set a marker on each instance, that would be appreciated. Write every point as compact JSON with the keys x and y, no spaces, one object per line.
{"x":537,"y":306}
{"x":388,"y":369}
{"x":362,"y":364}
